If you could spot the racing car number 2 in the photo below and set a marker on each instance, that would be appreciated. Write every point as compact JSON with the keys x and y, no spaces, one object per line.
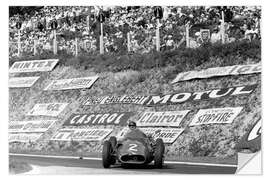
{"x":132,"y":148}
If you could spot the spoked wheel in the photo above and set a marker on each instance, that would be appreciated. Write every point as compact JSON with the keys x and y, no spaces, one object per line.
{"x":159,"y":153}
{"x":107,"y":158}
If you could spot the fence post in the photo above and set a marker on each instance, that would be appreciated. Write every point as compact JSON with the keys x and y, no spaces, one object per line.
{"x":101,"y":46}
{"x":222,"y":28}
{"x":157,"y":36}
{"x":54,"y":43}
{"x":19,"y":43}
{"x":35,"y":46}
{"x":187,"y":35}
{"x":88,"y":23}
{"x":76,"y":47}
{"x":128,"y":41}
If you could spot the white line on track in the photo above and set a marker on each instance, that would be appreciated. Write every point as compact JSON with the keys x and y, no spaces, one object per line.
{"x":94,"y":158}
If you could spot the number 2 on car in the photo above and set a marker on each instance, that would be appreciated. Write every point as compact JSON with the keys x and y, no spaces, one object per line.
{"x":132,"y":148}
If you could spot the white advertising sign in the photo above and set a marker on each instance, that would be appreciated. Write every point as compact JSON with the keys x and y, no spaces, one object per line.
{"x":33,"y":66}
{"x":215,"y":116}
{"x":47,"y":109}
{"x":22,"y":82}
{"x":93,"y":134}
{"x":30,"y":126}
{"x":24,"y":137}
{"x":219,"y":71}
{"x":74,"y":83}
{"x":166,"y":118}
{"x":168,"y":135}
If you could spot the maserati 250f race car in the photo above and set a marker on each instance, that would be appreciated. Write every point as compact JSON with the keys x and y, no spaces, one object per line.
{"x":132,"y":151}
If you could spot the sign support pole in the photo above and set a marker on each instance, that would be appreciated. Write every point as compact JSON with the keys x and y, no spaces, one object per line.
{"x":101,"y":48}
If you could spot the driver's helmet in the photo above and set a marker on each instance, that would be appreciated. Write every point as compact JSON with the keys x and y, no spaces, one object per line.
{"x":132,"y":125}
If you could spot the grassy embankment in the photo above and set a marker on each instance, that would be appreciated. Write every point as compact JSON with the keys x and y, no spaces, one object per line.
{"x":147,"y":75}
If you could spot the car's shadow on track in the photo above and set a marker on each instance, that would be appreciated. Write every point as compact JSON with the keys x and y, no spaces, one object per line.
{"x":139,"y":166}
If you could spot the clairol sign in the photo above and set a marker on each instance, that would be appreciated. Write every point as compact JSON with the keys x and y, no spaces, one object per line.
{"x":22,"y":82}
{"x":215,"y":116}
{"x":219,"y":71}
{"x":33,"y":66}
{"x":167,"y":118}
{"x":125,"y":99}
{"x":201,"y":95}
{"x":112,"y":118}
{"x":74,"y":83}
{"x":91,"y":134}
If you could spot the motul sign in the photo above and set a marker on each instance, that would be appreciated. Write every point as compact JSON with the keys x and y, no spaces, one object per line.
{"x":202,"y":95}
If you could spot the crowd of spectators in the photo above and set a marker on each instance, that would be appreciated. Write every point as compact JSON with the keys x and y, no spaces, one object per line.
{"x":80,"y":25}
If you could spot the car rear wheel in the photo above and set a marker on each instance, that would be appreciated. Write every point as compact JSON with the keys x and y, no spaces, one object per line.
{"x":107,"y":154}
{"x":159,"y":153}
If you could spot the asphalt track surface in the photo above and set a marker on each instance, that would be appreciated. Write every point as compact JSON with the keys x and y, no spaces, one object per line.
{"x":95,"y":166}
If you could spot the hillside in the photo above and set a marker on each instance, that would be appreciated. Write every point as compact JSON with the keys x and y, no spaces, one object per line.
{"x":148,"y":74}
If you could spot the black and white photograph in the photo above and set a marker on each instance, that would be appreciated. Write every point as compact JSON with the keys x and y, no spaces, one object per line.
{"x":145,"y":89}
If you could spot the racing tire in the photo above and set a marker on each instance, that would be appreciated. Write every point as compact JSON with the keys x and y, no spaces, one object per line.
{"x":113,"y":141}
{"x":159,"y":153}
{"x":106,"y":154}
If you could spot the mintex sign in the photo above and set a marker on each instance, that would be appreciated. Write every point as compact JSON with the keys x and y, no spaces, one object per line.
{"x":167,"y":118}
{"x":112,"y":118}
{"x":74,"y":83}
{"x":90,"y":134}
{"x":33,"y":66}
{"x":215,"y":116}
{"x":47,"y":109}
{"x":200,"y":95}
{"x":219,"y":71}
{"x":22,"y":82}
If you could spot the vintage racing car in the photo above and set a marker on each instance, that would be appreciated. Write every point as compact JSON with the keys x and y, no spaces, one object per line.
{"x":133,"y":151}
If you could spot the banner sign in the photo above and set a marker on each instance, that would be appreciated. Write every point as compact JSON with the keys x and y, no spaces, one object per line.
{"x":168,"y":135}
{"x":116,"y":99}
{"x":112,"y":118}
{"x":33,"y":66}
{"x":81,"y":134}
{"x":30,"y":126}
{"x":252,"y":139}
{"x":22,"y":82}
{"x":23,"y":137}
{"x":202,"y":95}
{"x":47,"y":109}
{"x":219,"y":71}
{"x":74,"y":83}
{"x":167,"y":118}
{"x":215,"y":116}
